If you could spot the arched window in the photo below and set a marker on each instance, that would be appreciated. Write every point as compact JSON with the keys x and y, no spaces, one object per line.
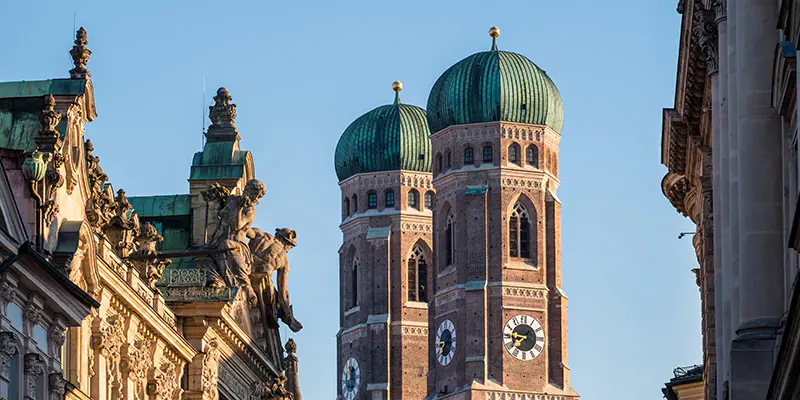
{"x":390,"y":199}
{"x":533,"y":156}
{"x":372,"y":200}
{"x":355,"y":203}
{"x":519,"y":232}
{"x":487,"y":154}
{"x":449,"y":241}
{"x":429,"y":200}
{"x":448,"y":161}
{"x":439,"y":166}
{"x":469,"y":156}
{"x":353,"y":298}
{"x":346,"y":207}
{"x":413,"y":198}
{"x":513,"y":154}
{"x":417,"y":275}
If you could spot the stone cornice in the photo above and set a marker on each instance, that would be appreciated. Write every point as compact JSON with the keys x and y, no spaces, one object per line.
{"x":240,"y":342}
{"x":674,"y":187}
{"x":133,"y":303}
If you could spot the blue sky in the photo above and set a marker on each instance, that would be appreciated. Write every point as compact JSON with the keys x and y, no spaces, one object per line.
{"x":301,"y":71}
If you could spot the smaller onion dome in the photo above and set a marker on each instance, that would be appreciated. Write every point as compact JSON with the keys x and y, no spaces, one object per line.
{"x":388,"y":138}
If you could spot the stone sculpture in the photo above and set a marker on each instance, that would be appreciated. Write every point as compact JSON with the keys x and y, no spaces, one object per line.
{"x":234,"y":262}
{"x":270,"y":258}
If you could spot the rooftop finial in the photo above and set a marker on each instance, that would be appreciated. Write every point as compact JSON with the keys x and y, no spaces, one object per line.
{"x":494,"y":32}
{"x":223,"y":112}
{"x":397,"y":86}
{"x":223,"y":118}
{"x":80,"y":56}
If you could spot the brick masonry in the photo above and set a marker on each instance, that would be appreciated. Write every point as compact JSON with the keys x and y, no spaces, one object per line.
{"x":403,"y":355}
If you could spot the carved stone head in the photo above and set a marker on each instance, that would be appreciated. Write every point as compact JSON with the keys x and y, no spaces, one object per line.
{"x":254,"y":190}
{"x":287,"y":236}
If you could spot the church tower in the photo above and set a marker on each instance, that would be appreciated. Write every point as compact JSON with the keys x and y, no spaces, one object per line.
{"x":383,"y":162}
{"x":498,"y":316}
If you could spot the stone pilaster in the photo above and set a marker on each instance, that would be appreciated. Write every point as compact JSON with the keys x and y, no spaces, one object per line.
{"x":759,"y":205}
{"x":34,"y":368}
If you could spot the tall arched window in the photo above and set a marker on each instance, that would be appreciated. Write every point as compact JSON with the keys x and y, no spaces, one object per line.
{"x":449,"y":241}
{"x":390,"y":199}
{"x":533,"y":156}
{"x":355,"y":203}
{"x":346,"y":207}
{"x":429,"y":200}
{"x":448,"y":160}
{"x":413,"y":198}
{"x":469,"y":155}
{"x":519,"y":232}
{"x":372,"y":200}
{"x":439,"y":165}
{"x":513,"y":154}
{"x":353,"y":298}
{"x":487,"y":154}
{"x":417,"y":275}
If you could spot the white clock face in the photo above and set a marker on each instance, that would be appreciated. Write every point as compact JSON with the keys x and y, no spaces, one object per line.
{"x":351,"y":379}
{"x":445,"y":342}
{"x":523,"y":337}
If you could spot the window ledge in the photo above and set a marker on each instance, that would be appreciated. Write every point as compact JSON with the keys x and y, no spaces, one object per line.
{"x":352,"y":310}
{"x":447,"y":271}
{"x":416,"y":304}
{"x":521,"y":264}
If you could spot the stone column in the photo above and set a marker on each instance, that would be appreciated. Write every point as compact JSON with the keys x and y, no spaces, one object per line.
{"x":721,"y":189}
{"x":730,"y":275}
{"x":759,"y":202}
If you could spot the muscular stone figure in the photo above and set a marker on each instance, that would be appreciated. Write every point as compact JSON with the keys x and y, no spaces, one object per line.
{"x":269,"y":258}
{"x":237,"y":214}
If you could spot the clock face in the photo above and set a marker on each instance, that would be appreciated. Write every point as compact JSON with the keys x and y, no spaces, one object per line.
{"x":445,"y":342}
{"x":523,"y":337}
{"x":351,"y":378}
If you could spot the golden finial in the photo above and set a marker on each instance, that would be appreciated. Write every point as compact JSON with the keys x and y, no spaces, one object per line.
{"x":494,"y":32}
{"x":397,"y":86}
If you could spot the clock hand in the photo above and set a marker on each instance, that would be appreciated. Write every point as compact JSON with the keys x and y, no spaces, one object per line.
{"x":519,"y":338}
{"x":440,"y":345}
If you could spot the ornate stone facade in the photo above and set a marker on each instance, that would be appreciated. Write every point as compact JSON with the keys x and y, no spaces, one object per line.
{"x":92,"y":304}
{"x":730,"y":148}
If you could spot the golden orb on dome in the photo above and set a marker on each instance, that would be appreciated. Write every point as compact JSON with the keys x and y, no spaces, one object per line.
{"x":494,"y":32}
{"x":397,"y":86}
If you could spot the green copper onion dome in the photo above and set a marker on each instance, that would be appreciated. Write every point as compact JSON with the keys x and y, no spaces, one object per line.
{"x":388,"y":138}
{"x":495,"y":86}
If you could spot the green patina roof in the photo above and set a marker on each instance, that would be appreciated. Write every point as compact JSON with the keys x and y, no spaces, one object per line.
{"x":20,"y":104}
{"x":41,"y":88}
{"x":171,"y":215}
{"x":494,"y":86}
{"x":219,"y":160}
{"x":390,"y":137}
{"x":161,"y":206}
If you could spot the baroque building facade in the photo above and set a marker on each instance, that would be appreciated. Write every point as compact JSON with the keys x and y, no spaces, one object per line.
{"x":730,"y":146}
{"x":105,"y":296}
{"x":450,"y":267}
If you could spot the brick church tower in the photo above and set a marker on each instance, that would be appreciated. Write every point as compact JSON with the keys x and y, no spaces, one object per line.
{"x":498,"y":316}
{"x":383,"y":164}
